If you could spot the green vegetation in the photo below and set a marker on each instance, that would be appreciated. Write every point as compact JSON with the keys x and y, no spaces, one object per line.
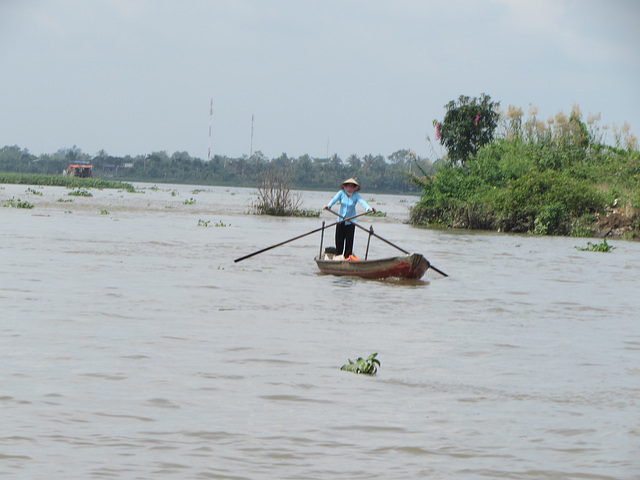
{"x":205,"y":223}
{"x":59,"y":180}
{"x":80,"y":192}
{"x":13,"y":203}
{"x":597,"y":247}
{"x":190,"y":201}
{"x":366,"y":367}
{"x":468,"y":125}
{"x":378,"y":213}
{"x":276,"y":198}
{"x":553,"y":178}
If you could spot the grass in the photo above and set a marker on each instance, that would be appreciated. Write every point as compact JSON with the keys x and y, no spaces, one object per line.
{"x":61,"y":181}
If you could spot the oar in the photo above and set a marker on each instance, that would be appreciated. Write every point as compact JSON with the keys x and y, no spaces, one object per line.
{"x":385,"y":240}
{"x":296,"y":238}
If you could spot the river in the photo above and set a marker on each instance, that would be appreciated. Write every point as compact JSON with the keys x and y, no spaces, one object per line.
{"x":133,"y":347}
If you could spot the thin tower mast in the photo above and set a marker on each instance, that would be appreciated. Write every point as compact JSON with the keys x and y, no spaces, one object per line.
{"x":251,"y":146}
{"x":210,"y":122}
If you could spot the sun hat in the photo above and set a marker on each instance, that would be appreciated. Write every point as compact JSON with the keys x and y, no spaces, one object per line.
{"x":353,"y":181}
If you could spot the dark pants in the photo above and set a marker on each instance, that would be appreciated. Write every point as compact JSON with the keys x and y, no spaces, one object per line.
{"x":344,"y":239}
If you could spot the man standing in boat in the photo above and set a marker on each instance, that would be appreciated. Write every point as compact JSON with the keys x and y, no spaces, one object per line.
{"x":345,"y":231}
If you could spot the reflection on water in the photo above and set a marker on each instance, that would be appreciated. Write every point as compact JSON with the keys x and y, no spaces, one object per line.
{"x":134,"y":347}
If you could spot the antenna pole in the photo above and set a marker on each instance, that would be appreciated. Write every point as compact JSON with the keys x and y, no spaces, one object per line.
{"x":251,"y":147}
{"x":210,"y":122}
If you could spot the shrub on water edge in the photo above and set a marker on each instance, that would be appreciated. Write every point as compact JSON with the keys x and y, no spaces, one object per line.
{"x":546,"y":203}
{"x":276,"y":198}
{"x":554,"y":199}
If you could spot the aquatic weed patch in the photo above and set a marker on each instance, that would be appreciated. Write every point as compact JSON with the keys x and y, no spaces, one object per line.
{"x":368,"y":366}
{"x":597,"y":247}
{"x":205,"y":223}
{"x":13,"y":203}
{"x":378,"y":213}
{"x":80,"y":192}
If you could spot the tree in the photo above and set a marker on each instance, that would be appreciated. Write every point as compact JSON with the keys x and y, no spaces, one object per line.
{"x":468,"y":125}
{"x":354,"y":162}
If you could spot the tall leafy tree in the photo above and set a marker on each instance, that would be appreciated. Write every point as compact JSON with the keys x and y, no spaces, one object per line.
{"x":468,"y":125}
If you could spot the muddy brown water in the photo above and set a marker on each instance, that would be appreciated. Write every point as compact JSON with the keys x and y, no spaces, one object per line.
{"x":132,"y":346}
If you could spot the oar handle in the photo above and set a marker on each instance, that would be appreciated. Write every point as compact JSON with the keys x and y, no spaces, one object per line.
{"x":377,"y":236}
{"x":296,"y":238}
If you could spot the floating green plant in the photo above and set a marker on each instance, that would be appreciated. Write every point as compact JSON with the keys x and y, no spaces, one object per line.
{"x":378,"y":213}
{"x":33,"y":192}
{"x":65,"y":200}
{"x":80,"y":192}
{"x":366,"y":367}
{"x":597,"y":247}
{"x":191,"y":201}
{"x":104,"y":212}
{"x":203,"y":223}
{"x":222,"y":224}
{"x":13,"y":203}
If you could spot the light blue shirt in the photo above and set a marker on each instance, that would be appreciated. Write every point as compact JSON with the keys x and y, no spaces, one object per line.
{"x":348,"y":204}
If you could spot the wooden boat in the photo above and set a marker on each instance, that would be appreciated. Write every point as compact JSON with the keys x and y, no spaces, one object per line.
{"x":406,"y":267}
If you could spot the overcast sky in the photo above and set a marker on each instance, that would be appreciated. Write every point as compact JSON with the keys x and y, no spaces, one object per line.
{"x":338,"y":76}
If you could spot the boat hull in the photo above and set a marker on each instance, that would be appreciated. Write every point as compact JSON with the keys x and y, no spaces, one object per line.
{"x":409,"y":266}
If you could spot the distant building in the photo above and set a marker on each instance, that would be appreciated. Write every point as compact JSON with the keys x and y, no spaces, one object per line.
{"x":79,"y":169}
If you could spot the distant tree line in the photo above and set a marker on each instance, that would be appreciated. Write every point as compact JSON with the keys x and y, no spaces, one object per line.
{"x":377,"y":173}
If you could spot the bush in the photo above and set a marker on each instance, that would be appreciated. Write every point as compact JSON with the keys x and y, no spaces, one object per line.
{"x":551,"y":198}
{"x":275,"y":197}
